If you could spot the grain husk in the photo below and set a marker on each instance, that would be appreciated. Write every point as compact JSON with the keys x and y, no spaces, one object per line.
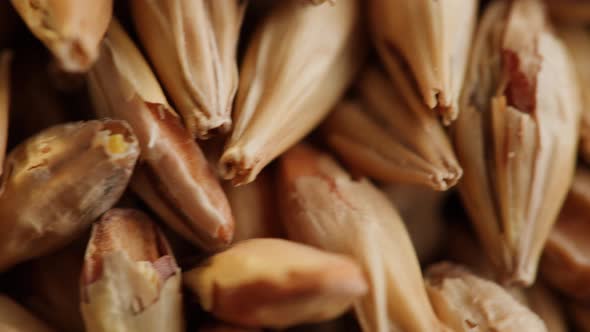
{"x":300,"y":61}
{"x":322,"y":205}
{"x":516,"y":137}
{"x":425,"y":44}
{"x":193,"y":46}
{"x":123,"y":86}
{"x":130,"y":280}
{"x":389,"y":138}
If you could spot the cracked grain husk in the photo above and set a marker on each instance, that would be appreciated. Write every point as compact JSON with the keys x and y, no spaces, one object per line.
{"x":70,"y":29}
{"x":567,"y":248}
{"x":15,"y":318}
{"x":577,"y":40}
{"x":130,"y":280}
{"x":59,"y":181}
{"x":516,"y":136}
{"x":298,"y":64}
{"x":123,"y":86}
{"x":193,"y":46}
{"x":276,"y":283}
{"x":323,"y":206}
{"x":468,"y":303}
{"x":389,"y":138}
{"x":5,"y":96}
{"x":425,"y":44}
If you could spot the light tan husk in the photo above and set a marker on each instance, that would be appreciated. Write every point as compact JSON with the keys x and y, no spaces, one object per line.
{"x":516,"y":135}
{"x":298,"y":64}
{"x":193,"y":45}
{"x":426,"y":44}
{"x":391,"y":139}
{"x":323,"y":206}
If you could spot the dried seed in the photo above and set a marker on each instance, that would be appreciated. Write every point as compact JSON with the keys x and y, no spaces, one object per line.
{"x":192,"y":44}
{"x":14,"y":318}
{"x":71,"y":29}
{"x":5,"y":91}
{"x":130,"y":280}
{"x":276,"y":283}
{"x":567,"y":248}
{"x":425,"y":44}
{"x":299,"y":63}
{"x":57,"y":182}
{"x":323,"y":206}
{"x":516,"y":135}
{"x":254,"y":208}
{"x":469,"y":303}
{"x":391,"y":139}
{"x":577,"y":40}
{"x":123,"y":86}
